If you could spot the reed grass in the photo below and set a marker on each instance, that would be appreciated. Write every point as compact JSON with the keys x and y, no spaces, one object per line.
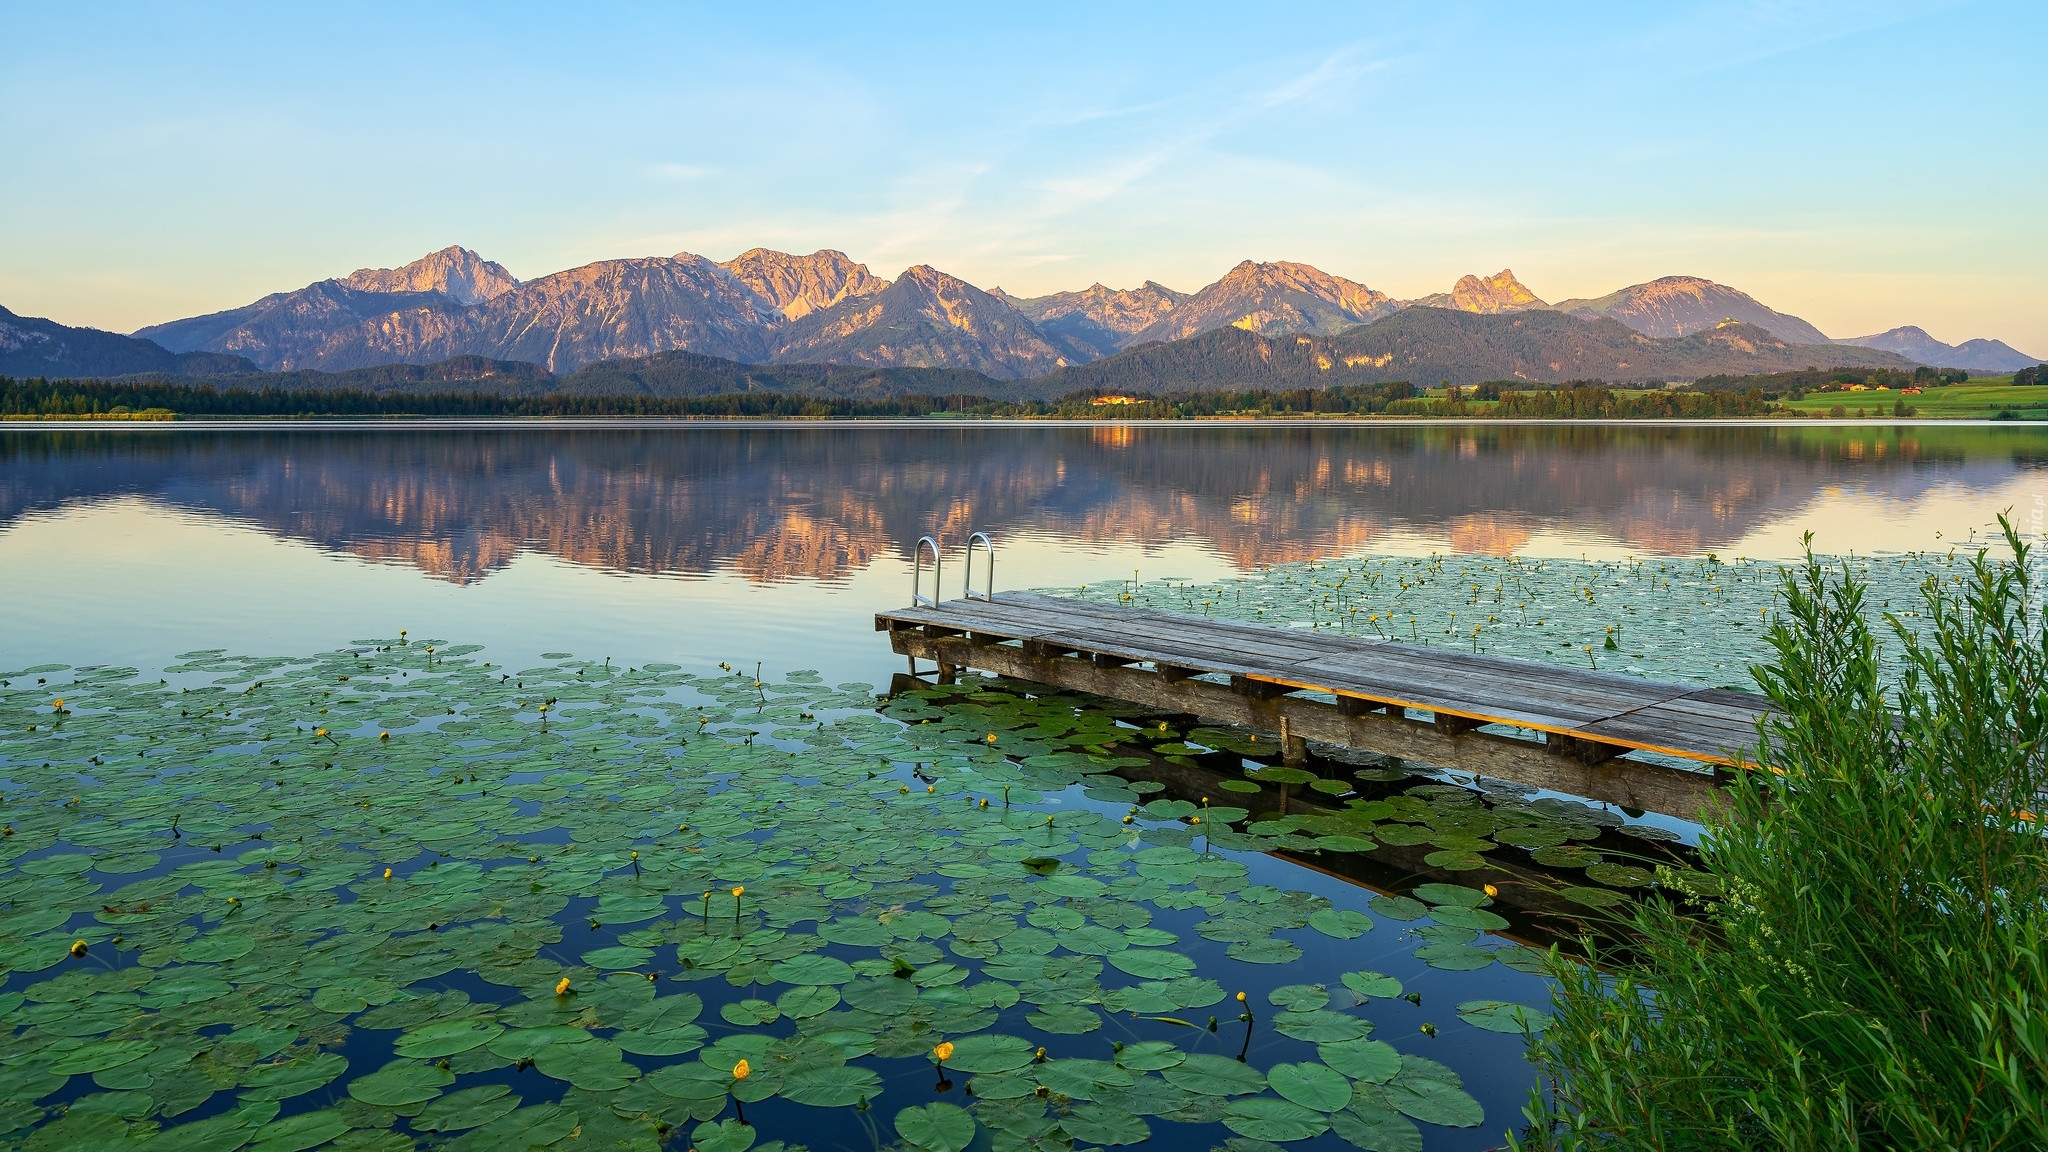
{"x":1868,"y":970}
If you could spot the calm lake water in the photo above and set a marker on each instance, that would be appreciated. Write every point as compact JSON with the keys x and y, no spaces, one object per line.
{"x":673,"y":549}
{"x":704,"y":544}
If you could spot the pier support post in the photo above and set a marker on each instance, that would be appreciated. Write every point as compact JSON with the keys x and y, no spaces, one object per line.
{"x":1293,"y":749}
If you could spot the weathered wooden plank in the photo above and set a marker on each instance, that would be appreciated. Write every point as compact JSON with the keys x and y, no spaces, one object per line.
{"x":1590,"y":711}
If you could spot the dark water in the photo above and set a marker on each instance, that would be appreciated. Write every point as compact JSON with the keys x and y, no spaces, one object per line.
{"x":695,"y":545}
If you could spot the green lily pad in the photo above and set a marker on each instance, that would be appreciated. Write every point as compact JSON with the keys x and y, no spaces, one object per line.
{"x":1266,"y":951}
{"x":292,"y":1078}
{"x":834,"y":1087}
{"x":1435,"y":1102}
{"x":1476,"y":918}
{"x":1399,"y":907}
{"x":1151,"y":963}
{"x":722,"y":1136}
{"x":101,"y":1056}
{"x":1371,"y":984}
{"x":1369,"y":1060}
{"x":814,"y":969}
{"x":469,"y":1108}
{"x":1310,"y":1085}
{"x":989,"y":1052}
{"x":1208,"y":1075}
{"x":1454,"y":957}
{"x":1281,"y":1121}
{"x":300,"y":1132}
{"x":446,"y":1038}
{"x":935,"y":1127}
{"x":1340,"y":923}
{"x":400,"y":1083}
{"x":1455,"y":895}
{"x":1105,"y":1125}
{"x":1321,"y":1027}
{"x":1377,"y":1129}
{"x":1502,"y":1016}
{"x":1299,"y":997}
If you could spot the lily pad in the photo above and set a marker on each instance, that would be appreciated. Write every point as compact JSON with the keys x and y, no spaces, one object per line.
{"x":401,"y":1083}
{"x":1369,"y":1060}
{"x":1340,"y":923}
{"x":935,"y":1127}
{"x":1281,"y":1121}
{"x":1502,"y":1016}
{"x":833,"y":1087}
{"x":469,"y":1108}
{"x":1310,"y":1085}
{"x":1209,"y":1075}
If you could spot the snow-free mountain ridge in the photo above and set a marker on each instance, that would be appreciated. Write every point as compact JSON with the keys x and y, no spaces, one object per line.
{"x":767,"y":307}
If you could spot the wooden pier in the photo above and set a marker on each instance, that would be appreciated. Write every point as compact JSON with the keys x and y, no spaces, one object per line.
{"x":1542,"y":725}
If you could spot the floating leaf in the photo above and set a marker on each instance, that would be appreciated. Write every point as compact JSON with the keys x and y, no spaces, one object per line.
{"x":300,"y":1132}
{"x":723,"y":1136}
{"x":1310,"y":1085}
{"x":1299,"y":997}
{"x":1435,"y":1102}
{"x":813,"y":969}
{"x":1102,"y":1124}
{"x":1502,"y":1016}
{"x":833,"y":1087}
{"x":1370,"y":984}
{"x":469,"y":1108}
{"x":1321,"y":1026}
{"x":935,"y":1127}
{"x":1454,"y":957}
{"x":400,"y":1083}
{"x":1399,"y":907}
{"x":989,"y":1052}
{"x":446,"y":1038}
{"x":1340,"y":923}
{"x":1267,"y":951}
{"x":1265,"y":1118}
{"x":1215,"y":1076}
{"x":1369,"y":1060}
{"x":1377,"y":1129}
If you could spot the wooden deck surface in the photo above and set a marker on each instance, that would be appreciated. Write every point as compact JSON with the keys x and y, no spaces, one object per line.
{"x":1707,"y":725}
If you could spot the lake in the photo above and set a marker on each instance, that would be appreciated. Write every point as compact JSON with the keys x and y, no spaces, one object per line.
{"x":357,"y":628}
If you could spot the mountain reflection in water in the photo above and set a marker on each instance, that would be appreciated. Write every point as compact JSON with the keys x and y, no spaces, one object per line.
{"x":824,"y":502}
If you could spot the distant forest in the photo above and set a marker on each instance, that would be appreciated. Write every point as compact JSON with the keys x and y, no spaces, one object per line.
{"x":47,"y":399}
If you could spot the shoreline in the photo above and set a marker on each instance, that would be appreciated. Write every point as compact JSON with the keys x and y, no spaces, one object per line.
{"x":452,"y":423}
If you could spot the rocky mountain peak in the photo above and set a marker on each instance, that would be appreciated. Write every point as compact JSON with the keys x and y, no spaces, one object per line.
{"x":800,"y":285}
{"x":1681,"y":305}
{"x":454,"y":271}
{"x":1273,"y":298}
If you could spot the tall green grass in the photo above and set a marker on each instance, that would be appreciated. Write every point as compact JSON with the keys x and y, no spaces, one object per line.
{"x":1868,"y":972}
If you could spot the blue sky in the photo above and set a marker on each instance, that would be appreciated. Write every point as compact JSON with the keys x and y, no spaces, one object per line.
{"x":1862,"y":165}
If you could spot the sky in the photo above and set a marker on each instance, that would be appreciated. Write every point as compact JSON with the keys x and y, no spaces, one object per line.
{"x":1862,"y":165}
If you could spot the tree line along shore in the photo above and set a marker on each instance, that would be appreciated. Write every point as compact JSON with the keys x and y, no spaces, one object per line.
{"x":1852,"y":393}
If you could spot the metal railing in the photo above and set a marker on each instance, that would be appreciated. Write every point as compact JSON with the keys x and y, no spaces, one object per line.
{"x":917,"y":596}
{"x":988,"y":588}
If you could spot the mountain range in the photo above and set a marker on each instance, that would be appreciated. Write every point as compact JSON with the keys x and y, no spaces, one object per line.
{"x":766,"y":307}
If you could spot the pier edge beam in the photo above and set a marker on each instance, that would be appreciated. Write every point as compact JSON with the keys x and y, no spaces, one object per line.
{"x":1616,"y":780}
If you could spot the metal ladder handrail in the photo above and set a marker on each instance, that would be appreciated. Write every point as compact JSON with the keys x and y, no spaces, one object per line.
{"x":917,"y":596}
{"x":988,"y":590}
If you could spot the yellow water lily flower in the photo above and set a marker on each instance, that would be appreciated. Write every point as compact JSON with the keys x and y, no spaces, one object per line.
{"x":944,"y":1051}
{"x":741,"y":1070}
{"x":1490,"y":890}
{"x":562,"y":988}
{"x":387,"y":873}
{"x":78,"y":949}
{"x":739,"y":892}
